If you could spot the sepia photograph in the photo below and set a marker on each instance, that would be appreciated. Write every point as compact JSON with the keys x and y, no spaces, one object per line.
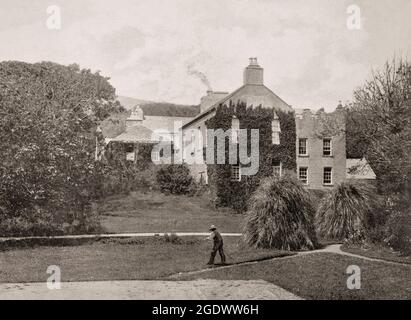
{"x":205,"y":156}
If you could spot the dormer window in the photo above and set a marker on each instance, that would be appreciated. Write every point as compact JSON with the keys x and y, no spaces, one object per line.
{"x":235,"y":129}
{"x":276,"y":129}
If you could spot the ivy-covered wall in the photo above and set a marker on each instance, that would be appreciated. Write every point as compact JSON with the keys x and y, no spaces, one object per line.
{"x":235,"y":194}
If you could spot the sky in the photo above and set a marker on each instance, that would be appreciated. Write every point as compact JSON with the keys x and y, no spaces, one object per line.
{"x":173,"y":50}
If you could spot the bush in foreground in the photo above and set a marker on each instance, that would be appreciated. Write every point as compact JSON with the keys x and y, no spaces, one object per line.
{"x":175,"y":179}
{"x":280,"y":216}
{"x":346,"y":212}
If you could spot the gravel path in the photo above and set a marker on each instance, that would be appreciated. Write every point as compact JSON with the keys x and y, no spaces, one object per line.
{"x":336,"y":248}
{"x":142,"y":290}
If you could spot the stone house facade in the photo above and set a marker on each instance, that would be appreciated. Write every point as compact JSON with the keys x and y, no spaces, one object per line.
{"x":320,"y":137}
{"x":320,"y":148}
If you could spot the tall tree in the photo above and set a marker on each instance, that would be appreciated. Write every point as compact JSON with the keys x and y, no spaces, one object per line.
{"x":381,"y":114}
{"x":48,"y":116}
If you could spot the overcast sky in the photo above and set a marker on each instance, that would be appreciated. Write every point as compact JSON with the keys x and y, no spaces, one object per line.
{"x":150,"y":48}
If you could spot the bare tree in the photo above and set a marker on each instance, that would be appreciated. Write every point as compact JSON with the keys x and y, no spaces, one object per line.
{"x":382,"y":119}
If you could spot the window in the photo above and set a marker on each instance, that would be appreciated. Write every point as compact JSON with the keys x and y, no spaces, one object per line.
{"x":205,"y":137}
{"x":327,"y":178}
{"x":327,"y":147}
{"x":275,"y":128}
{"x":129,"y":147}
{"x":192,"y":142}
{"x":199,"y":139}
{"x":130,"y":154}
{"x":235,"y":129}
{"x":277,"y":169}
{"x":235,"y":173}
{"x":155,"y":156}
{"x":303,"y":175}
{"x":302,"y":147}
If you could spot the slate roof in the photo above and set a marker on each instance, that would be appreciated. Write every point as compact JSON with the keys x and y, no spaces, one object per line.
{"x":249,"y":88}
{"x":164,"y":123}
{"x":137,"y":134}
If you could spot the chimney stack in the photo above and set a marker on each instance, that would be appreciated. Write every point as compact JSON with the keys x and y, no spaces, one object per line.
{"x":253,"y":74}
{"x":136,"y":117}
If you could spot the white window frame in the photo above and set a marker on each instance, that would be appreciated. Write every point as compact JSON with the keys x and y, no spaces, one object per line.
{"x":275,"y":131}
{"x":130,"y":155}
{"x":200,"y":139}
{"x":306,"y":146}
{"x":331,"y":147}
{"x":156,"y":156}
{"x":193,"y":141}
{"x":306,"y":175}
{"x":234,"y":176}
{"x":235,"y":129}
{"x":280,"y":171}
{"x":331,"y":176}
{"x":275,"y":138}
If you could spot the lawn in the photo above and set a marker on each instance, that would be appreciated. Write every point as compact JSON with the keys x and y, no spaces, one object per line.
{"x":120,"y":259}
{"x":156,"y":212}
{"x":323,"y":276}
{"x":377,"y":252}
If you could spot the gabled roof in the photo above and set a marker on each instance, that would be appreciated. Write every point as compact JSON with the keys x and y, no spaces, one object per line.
{"x":212,"y":108}
{"x":137,"y":134}
{"x":227,"y":98}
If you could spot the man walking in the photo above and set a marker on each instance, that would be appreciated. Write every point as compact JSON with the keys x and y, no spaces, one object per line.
{"x":217,"y":239}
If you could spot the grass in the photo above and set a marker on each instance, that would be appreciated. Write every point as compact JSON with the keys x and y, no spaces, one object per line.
{"x":155,"y":212}
{"x":120,"y":259}
{"x":377,"y":252}
{"x":323,"y":276}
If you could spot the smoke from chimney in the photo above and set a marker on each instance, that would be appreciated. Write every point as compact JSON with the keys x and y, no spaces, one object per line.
{"x":192,"y":71}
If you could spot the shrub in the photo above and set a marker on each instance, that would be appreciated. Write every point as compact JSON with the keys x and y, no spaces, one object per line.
{"x":175,"y":179}
{"x":346,"y":211}
{"x":280,"y":216}
{"x":173,"y":238}
{"x":398,"y":228}
{"x":41,"y":222}
{"x":122,"y":178}
{"x":357,"y":237}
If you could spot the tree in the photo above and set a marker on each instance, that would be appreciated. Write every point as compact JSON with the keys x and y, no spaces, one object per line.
{"x":48,"y":117}
{"x":280,"y":216}
{"x":382,"y":115}
{"x":381,"y":112}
